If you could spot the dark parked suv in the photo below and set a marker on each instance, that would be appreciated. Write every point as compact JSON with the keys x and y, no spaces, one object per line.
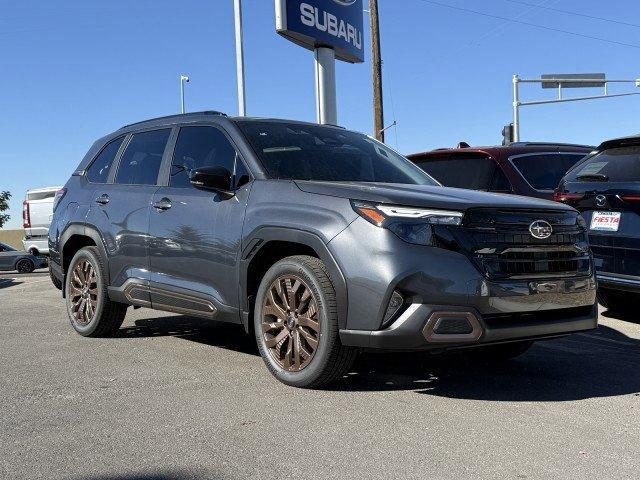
{"x":532,"y":169}
{"x":320,"y":241}
{"x":605,"y":187}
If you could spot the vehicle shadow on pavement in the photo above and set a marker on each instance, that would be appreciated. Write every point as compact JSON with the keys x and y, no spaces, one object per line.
{"x":601,"y":363}
{"x":8,"y":282}
{"x":631,"y":317}
{"x":201,"y":330}
{"x":596,"y":364}
{"x":154,"y":476}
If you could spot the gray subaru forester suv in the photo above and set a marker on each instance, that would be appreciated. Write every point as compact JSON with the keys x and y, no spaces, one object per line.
{"x":320,"y":241}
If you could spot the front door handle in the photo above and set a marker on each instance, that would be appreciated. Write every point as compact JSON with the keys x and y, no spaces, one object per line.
{"x":162,"y":205}
{"x":102,"y":199}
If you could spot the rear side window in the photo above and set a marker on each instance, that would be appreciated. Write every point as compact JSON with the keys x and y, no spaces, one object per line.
{"x":613,"y":165}
{"x":198,"y":147}
{"x":141,"y":160}
{"x":471,"y":172}
{"x":99,"y":169}
{"x":544,"y":171}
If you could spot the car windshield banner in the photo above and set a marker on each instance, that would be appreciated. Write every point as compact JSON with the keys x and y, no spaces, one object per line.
{"x":324,"y":23}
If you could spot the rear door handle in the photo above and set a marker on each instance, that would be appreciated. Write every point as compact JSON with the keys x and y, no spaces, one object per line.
{"x":162,"y":205}
{"x":102,"y":199}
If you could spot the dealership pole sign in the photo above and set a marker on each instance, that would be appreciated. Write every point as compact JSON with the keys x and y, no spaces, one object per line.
{"x":336,"y":24}
{"x":333,"y":29}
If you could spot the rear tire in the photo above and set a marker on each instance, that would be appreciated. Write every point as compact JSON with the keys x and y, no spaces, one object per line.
{"x":55,"y":280}
{"x":90,"y":311}
{"x":297,"y":332}
{"x":25,"y":266}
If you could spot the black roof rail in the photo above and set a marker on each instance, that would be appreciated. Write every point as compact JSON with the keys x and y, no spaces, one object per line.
{"x":555,"y":144}
{"x":176,"y":115}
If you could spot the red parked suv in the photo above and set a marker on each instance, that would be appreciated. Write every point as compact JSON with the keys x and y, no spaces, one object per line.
{"x":522,"y":168}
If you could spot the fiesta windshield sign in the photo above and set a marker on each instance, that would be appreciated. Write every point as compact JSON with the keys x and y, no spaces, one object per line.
{"x":323,"y":23}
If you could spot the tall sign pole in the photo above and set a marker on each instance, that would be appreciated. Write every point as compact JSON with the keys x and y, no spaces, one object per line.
{"x":326,"y":103}
{"x":332,"y":29}
{"x":237,"y":10}
{"x":376,"y":62}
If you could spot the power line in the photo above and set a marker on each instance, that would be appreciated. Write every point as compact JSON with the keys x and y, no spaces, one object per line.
{"x":529,"y":24}
{"x":578,"y":14}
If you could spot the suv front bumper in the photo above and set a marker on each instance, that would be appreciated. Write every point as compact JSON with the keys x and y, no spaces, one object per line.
{"x":414,"y":329}
{"x":616,"y":281}
{"x":433,"y":280}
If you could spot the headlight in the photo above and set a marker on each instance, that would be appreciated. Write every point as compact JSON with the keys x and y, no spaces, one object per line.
{"x":413,"y":225}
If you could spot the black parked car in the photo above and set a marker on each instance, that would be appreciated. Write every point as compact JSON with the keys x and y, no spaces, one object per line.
{"x":318,"y":240}
{"x":605,"y":187}
{"x":21,"y":261}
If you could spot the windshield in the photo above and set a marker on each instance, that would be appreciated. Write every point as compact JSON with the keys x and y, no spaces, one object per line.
{"x":313,"y":152}
{"x":613,"y":165}
{"x":6,"y":248}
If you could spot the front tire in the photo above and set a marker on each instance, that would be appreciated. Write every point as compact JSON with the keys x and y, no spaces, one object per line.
{"x":90,"y":311}
{"x":25,"y":266}
{"x":296,"y":324}
{"x":617,"y":301}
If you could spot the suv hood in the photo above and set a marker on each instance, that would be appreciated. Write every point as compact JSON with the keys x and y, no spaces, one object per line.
{"x":424,"y":195}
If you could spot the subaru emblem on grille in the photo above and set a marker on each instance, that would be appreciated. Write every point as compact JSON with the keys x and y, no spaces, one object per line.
{"x":601,"y":200}
{"x":540,"y":229}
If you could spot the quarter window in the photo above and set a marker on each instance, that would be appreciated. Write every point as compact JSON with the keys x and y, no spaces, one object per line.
{"x":544,"y":171}
{"x":199,"y":147}
{"x":141,"y":160}
{"x":99,"y":169}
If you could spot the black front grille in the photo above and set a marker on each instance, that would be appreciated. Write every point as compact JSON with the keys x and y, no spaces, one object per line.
{"x":501,"y":244}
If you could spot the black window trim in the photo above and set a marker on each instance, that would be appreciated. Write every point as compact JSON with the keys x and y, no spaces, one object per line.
{"x":114,"y":171}
{"x":520,"y":155}
{"x":116,"y":159}
{"x":164,"y":177}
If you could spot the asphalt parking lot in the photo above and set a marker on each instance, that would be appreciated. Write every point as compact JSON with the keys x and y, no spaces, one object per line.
{"x":176,"y":397}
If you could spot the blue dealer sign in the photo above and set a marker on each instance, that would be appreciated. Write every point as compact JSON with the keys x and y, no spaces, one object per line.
{"x":323,"y":23}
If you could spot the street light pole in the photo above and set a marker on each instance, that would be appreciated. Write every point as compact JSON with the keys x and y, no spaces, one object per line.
{"x":516,"y":109}
{"x":183,"y":79}
{"x":237,"y":10}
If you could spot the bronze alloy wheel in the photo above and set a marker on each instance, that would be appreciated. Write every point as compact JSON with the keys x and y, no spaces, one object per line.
{"x":83,"y":292}
{"x":290,"y":324}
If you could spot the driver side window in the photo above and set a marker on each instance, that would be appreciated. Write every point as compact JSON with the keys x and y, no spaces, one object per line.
{"x":197,"y":147}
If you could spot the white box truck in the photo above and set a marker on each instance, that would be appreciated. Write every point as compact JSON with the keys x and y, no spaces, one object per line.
{"x":37,"y":211}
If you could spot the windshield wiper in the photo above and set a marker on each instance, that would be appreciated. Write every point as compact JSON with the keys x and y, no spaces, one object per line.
{"x":598,"y":177}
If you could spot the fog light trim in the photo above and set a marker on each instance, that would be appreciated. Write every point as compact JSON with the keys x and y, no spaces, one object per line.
{"x":434,"y":320}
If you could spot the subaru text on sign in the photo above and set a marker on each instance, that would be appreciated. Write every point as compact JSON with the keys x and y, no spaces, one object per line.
{"x":335,"y":24}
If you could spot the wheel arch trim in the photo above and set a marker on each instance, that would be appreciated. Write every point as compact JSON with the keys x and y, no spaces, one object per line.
{"x":78,"y":229}
{"x":259,"y":238}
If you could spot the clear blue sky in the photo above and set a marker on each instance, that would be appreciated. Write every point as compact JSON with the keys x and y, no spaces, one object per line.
{"x":76,"y":70}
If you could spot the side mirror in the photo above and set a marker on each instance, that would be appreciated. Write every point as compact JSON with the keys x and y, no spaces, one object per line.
{"x":217,"y":179}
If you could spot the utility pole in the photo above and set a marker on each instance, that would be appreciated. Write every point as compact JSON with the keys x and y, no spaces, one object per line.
{"x":376,"y":61}
{"x":237,"y":10}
